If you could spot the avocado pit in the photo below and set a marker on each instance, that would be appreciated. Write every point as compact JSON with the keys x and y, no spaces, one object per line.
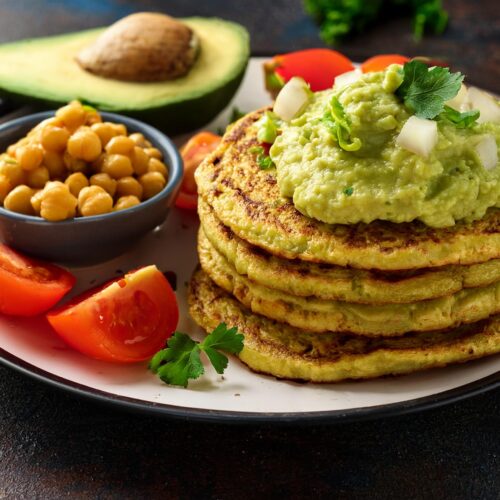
{"x":142,"y":47}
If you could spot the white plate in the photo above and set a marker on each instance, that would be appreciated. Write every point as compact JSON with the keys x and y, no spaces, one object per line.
{"x":240,"y":395}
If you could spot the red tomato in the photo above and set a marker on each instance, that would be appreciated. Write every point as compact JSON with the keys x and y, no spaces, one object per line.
{"x":126,"y":320}
{"x":29,"y":287}
{"x":193,"y":153}
{"x":379,"y":63}
{"x":318,"y":67}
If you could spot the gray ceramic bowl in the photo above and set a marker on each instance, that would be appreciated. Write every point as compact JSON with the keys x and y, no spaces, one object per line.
{"x":86,"y":240}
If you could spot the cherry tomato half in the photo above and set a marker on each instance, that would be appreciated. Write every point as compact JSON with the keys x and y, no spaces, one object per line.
{"x":379,"y":63}
{"x":193,"y":153}
{"x":29,"y":287}
{"x":318,"y":67}
{"x":126,"y":320}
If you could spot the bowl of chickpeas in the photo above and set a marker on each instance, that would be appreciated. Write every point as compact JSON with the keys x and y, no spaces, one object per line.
{"x":81,"y":186}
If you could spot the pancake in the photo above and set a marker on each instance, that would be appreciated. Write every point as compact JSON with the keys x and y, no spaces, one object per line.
{"x":291,"y":353}
{"x":331,"y":282}
{"x":319,"y":315}
{"x":248,"y":201}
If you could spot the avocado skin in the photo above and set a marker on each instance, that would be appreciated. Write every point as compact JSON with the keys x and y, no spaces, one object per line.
{"x":172,"y":118}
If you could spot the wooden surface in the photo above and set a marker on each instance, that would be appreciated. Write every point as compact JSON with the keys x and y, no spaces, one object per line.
{"x":55,"y":446}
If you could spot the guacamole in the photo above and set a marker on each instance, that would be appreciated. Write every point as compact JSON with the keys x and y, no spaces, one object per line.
{"x":381,"y":180}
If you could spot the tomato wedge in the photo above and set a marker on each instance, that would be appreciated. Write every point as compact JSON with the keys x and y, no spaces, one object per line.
{"x":318,"y":67}
{"x":126,"y":320}
{"x":193,"y":153}
{"x":379,"y":63}
{"x":29,"y":287}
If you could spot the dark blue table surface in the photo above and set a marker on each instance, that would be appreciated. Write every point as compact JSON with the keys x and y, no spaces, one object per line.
{"x":53,"y":445}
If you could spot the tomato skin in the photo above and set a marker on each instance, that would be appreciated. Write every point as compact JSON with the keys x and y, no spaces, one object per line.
{"x":193,"y":153}
{"x":318,"y":67}
{"x":380,"y":62}
{"x":125,"y":321}
{"x":29,"y":287}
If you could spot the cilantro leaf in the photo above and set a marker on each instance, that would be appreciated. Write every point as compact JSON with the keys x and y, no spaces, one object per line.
{"x":465,"y":119}
{"x":338,"y":123}
{"x":348,"y":191}
{"x":264,"y":161}
{"x":181,"y":360}
{"x":424,"y":90}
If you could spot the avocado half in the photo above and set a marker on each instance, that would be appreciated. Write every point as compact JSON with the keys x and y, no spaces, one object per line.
{"x":43,"y":72}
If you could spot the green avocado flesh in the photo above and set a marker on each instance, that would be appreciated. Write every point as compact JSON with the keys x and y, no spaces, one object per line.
{"x":44,"y":72}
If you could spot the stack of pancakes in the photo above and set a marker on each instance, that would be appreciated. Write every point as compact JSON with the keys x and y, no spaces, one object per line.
{"x":326,"y":302}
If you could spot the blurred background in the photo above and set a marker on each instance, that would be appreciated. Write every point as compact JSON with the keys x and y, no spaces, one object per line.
{"x":469,"y":43}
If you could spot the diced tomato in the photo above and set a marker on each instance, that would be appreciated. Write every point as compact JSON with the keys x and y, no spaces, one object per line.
{"x":318,"y":67}
{"x":126,"y":320}
{"x":379,"y":63}
{"x":29,"y":287}
{"x":193,"y":153}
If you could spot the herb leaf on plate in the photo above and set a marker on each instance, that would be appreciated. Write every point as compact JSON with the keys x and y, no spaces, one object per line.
{"x":181,"y":360}
{"x":463,"y":119}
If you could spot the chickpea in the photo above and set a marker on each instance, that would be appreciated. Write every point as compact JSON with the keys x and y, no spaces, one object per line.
{"x":76,"y":182}
{"x":38,"y":178}
{"x":93,"y":117}
{"x":93,"y":200}
{"x":74,"y":164}
{"x":121,"y":145}
{"x":4,"y":187}
{"x":158,"y":166}
{"x":49,"y":122}
{"x":128,"y":186}
{"x":125,"y":202}
{"x":152,"y":183}
{"x":36,"y":201}
{"x":84,"y":144}
{"x":29,"y":156}
{"x":55,"y":164}
{"x":117,"y":166}
{"x":154,"y":153}
{"x":19,"y":200}
{"x":138,"y":139}
{"x":120,"y":129}
{"x":104,"y":181}
{"x":105,"y":131}
{"x":11,"y":150}
{"x":72,"y":115}
{"x":140,"y":160}
{"x":11,"y":169}
{"x":54,"y":138}
{"x":57,"y":202}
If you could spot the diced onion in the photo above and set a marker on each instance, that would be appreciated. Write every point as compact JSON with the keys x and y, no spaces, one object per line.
{"x":461,"y":101}
{"x":487,"y":151}
{"x":418,"y":136}
{"x":486,"y":104}
{"x":292,"y":99}
{"x":347,"y":78}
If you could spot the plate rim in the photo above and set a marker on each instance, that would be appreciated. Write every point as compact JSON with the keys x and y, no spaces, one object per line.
{"x":135,"y":405}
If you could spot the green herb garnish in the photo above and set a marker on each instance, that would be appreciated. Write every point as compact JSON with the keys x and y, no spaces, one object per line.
{"x":348,"y":191}
{"x":339,"y":18}
{"x":424,"y":90}
{"x":463,"y":119}
{"x":339,"y":125}
{"x":88,"y":108}
{"x":264,"y":161}
{"x":9,"y":160}
{"x":181,"y":361}
{"x":267,"y":128}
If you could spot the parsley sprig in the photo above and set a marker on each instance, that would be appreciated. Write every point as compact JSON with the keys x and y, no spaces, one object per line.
{"x":463,"y":119}
{"x":339,"y":124}
{"x":424,"y":90}
{"x":181,"y":360}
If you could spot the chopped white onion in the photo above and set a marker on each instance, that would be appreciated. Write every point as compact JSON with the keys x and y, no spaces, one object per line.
{"x":292,"y":99}
{"x":486,"y":104}
{"x":461,"y":101}
{"x":487,"y":151}
{"x":418,"y":136}
{"x":347,"y":78}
